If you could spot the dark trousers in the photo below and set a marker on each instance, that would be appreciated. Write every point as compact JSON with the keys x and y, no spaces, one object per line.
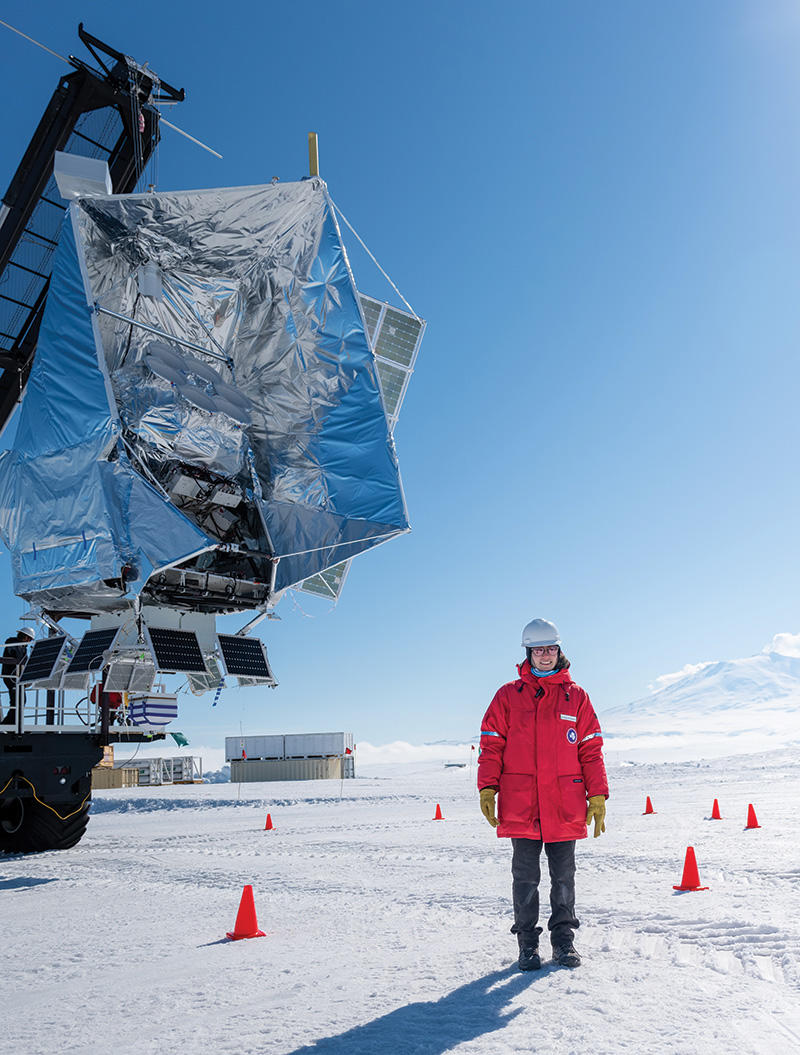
{"x":10,"y":717}
{"x":526,"y":872}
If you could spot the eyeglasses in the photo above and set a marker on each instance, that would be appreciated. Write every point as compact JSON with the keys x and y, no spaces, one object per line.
{"x":545,"y":650}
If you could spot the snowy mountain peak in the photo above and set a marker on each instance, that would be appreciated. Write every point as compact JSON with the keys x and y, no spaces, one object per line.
{"x":725,"y":684}
{"x":718,"y":707}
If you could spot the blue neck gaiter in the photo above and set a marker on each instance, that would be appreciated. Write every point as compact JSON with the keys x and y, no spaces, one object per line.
{"x":541,"y":673}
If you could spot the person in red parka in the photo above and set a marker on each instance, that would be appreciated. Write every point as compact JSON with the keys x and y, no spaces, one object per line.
{"x":542,"y":751}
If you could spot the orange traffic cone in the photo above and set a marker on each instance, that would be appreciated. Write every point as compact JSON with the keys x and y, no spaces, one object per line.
{"x":648,"y":807}
{"x":715,"y":814}
{"x":269,"y":825}
{"x":751,"y":818}
{"x":246,"y":922}
{"x":438,"y":815}
{"x":691,"y":877}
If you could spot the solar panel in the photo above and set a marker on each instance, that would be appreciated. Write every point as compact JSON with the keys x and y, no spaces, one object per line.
{"x":398,"y":337}
{"x":328,"y":583}
{"x":394,"y":337}
{"x":393,"y":379}
{"x":245,"y":656}
{"x":372,"y":314}
{"x":89,"y":654}
{"x":177,"y":650}
{"x":43,"y":659}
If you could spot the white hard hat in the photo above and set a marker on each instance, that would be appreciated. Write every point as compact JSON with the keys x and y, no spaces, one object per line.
{"x":28,"y":631}
{"x":540,"y":632}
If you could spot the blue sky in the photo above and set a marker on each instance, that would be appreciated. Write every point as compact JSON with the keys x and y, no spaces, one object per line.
{"x":595,"y":207}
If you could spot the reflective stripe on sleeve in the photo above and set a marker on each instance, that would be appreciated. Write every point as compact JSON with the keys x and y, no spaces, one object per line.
{"x":591,"y":736}
{"x":488,"y":732}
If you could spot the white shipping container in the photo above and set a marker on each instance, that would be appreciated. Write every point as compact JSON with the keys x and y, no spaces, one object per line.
{"x":317,"y":745}
{"x":264,"y":746}
{"x":254,"y":747}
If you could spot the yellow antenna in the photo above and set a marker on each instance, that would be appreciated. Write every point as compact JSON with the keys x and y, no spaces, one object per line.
{"x":313,"y":154}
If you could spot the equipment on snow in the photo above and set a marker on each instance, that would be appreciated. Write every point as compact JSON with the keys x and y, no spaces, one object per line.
{"x":207,"y":406}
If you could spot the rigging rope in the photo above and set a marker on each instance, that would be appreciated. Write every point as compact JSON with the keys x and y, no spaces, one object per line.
{"x":36,"y":42}
{"x":373,"y":259}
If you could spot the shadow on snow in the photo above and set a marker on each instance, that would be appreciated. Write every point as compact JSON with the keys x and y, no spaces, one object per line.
{"x":434,"y":1027}
{"x":23,"y":882}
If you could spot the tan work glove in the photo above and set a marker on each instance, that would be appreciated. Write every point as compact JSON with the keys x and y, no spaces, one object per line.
{"x":597,"y":810}
{"x":487,"y":805}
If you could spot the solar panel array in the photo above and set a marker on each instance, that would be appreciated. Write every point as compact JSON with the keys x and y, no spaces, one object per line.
{"x":245,"y":657}
{"x":177,"y":650}
{"x":89,"y":654}
{"x":42,"y":659}
{"x":395,"y":337}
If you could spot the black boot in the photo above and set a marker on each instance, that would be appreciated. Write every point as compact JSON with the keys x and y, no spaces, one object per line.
{"x":564,"y":955}
{"x":529,"y":959}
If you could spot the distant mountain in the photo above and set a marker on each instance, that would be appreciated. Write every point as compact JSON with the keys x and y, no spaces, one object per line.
{"x":726,"y":707}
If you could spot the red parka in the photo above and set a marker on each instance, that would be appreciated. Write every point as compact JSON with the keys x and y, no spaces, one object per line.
{"x":542,"y":747}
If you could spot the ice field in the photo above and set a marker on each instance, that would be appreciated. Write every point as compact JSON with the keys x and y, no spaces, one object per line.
{"x":387,"y":931}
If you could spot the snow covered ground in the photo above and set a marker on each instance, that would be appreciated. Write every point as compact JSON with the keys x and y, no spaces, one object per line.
{"x":388,"y":932}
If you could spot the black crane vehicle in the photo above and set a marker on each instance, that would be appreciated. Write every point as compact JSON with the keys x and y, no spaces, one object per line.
{"x":204,"y":406}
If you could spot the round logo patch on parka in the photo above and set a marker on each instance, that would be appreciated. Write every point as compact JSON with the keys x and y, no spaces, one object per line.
{"x":572,"y":736}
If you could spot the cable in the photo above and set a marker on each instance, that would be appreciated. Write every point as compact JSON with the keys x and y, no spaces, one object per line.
{"x":372,"y":258}
{"x":163,"y":120}
{"x":46,"y":806}
{"x":126,"y":761}
{"x":175,"y":128}
{"x":36,"y":42}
